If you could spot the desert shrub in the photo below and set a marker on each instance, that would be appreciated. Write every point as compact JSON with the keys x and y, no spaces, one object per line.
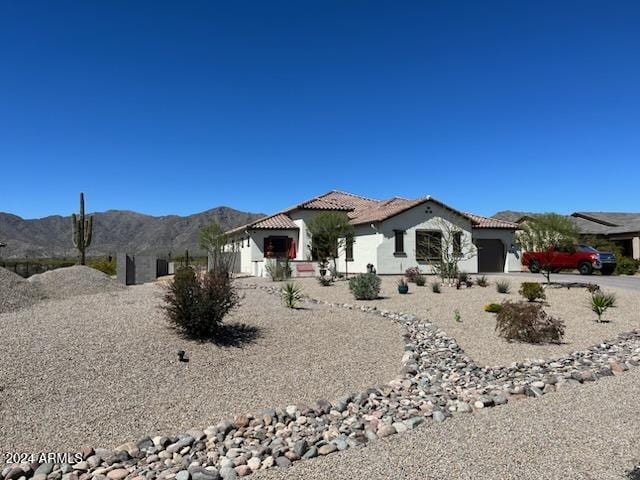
{"x":463,"y":277}
{"x":592,"y":287}
{"x":456,"y":315}
{"x":626,"y":266}
{"x":278,"y":269}
{"x":196,"y":306}
{"x":435,"y":287}
{"x":291,"y":294}
{"x":365,"y":286}
{"x":324,"y":281}
{"x":104,"y":265}
{"x":412,"y":274}
{"x":601,"y":302}
{"x":420,"y":280}
{"x":493,"y":307}
{"x":482,"y":281}
{"x":528,"y":322}
{"x":503,"y":286}
{"x":532,"y":291}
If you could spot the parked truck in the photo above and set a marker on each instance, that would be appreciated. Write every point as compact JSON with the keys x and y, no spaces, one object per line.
{"x":579,"y":257}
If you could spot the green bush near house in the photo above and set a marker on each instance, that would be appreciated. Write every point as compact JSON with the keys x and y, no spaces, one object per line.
{"x":435,"y":287}
{"x":627,"y":266}
{"x":104,"y":265}
{"x":420,"y":280}
{"x":365,"y":286}
{"x":532,"y":291}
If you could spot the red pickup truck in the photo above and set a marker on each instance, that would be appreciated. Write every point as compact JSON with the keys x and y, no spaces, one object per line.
{"x":584,"y":258}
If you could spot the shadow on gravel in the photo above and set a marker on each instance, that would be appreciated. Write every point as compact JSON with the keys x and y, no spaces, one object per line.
{"x":634,"y":474}
{"x":237,"y":335}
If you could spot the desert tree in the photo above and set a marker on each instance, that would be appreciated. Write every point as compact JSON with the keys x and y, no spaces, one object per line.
{"x":548,"y":233}
{"x":330,"y":232}
{"x":444,"y":247}
{"x":221,"y":249}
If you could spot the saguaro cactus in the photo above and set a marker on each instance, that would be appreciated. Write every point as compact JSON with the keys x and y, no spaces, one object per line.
{"x":82,"y":230}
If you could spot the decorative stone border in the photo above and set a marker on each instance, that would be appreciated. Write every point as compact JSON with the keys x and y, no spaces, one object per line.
{"x":436,"y":380}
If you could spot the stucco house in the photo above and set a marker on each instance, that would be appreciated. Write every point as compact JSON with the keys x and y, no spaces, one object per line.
{"x":392,"y":235}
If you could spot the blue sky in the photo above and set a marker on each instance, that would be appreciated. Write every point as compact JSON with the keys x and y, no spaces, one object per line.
{"x":256,"y":105}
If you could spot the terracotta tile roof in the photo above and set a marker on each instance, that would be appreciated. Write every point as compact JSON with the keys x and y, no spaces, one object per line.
{"x":363,"y":210}
{"x":278,"y":221}
{"x":486,"y":222}
{"x":322,"y":204}
{"x":383,"y":210}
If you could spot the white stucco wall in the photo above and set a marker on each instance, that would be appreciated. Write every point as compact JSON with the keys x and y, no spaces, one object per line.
{"x":512,"y":262}
{"x":426,"y":216}
{"x":365,"y":250}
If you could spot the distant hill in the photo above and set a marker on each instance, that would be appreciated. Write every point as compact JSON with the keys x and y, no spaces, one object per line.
{"x":114,"y":231}
{"x":513,"y":215}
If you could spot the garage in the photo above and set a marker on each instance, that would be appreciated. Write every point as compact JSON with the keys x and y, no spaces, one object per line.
{"x":490,"y":255}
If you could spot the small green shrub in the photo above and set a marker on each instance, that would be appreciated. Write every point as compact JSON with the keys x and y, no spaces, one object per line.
{"x":291,"y":294}
{"x":532,"y":291}
{"x":601,"y":302}
{"x":503,"y":286}
{"x":412,"y":273}
{"x":482,"y":281}
{"x":627,"y":266}
{"x":196,"y":306}
{"x":528,"y":322}
{"x":420,"y":280}
{"x":365,"y":286}
{"x":463,"y":277}
{"x":104,"y":265}
{"x":435,"y":287}
{"x":456,"y":316}
{"x":324,"y":281}
{"x":493,"y":308}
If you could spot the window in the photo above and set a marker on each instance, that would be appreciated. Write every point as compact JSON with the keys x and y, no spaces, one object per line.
{"x":349,"y":250}
{"x":457,"y":244}
{"x":276,"y":247}
{"x":428,"y":245}
{"x":399,"y":241}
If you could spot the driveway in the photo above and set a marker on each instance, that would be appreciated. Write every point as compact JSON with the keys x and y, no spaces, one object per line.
{"x":622,"y":281}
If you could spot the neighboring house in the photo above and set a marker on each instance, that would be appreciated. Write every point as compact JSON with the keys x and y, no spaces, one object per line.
{"x":392,"y":235}
{"x":621,"y":228}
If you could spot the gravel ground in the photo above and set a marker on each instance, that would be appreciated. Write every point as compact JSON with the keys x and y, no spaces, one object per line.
{"x":102,"y":369}
{"x":71,"y":281}
{"x":16,"y":292}
{"x":581,"y":432}
{"x":476,"y":334}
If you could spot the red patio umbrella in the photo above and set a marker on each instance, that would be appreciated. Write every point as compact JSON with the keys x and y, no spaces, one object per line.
{"x":292,"y":249}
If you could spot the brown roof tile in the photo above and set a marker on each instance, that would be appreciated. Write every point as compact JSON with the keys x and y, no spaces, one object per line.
{"x":486,"y":222}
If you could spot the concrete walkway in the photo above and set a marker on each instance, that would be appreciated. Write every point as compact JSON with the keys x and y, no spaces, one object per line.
{"x":621,"y":281}
{"x":589,"y":431}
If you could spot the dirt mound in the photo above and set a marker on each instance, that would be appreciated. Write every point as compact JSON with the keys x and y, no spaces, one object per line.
{"x":76,"y":280}
{"x":16,"y":292}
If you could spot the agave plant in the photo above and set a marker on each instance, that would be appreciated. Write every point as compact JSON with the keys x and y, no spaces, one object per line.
{"x":291,"y":294}
{"x":601,"y":302}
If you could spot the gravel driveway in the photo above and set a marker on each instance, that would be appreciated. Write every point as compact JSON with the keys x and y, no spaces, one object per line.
{"x":581,"y":432}
{"x":102,"y":369}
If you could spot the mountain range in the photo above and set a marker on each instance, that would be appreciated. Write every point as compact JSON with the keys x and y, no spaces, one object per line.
{"x":113,"y":231}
